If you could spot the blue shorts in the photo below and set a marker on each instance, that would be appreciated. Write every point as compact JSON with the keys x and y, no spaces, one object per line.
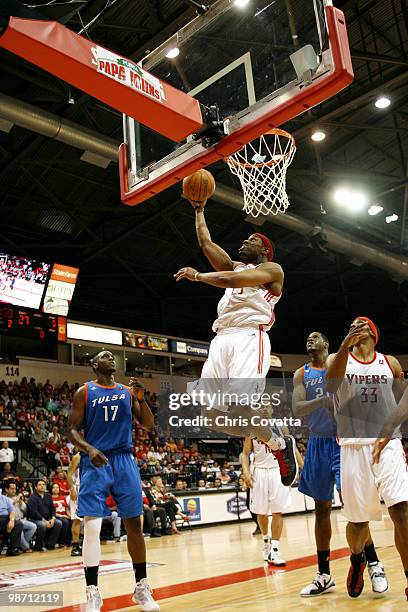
{"x":322,"y":469}
{"x":120,"y":478}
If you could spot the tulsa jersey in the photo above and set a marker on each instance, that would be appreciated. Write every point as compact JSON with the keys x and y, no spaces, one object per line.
{"x":319,"y":421}
{"x":365,"y":400}
{"x":108,"y":417}
{"x":246,"y":307}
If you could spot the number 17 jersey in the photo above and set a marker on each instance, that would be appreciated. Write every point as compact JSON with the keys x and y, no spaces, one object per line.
{"x":108,"y":417}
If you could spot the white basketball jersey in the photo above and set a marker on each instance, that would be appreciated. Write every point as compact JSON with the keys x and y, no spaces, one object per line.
{"x":246,"y":307}
{"x":364,"y":400}
{"x":263,"y":456}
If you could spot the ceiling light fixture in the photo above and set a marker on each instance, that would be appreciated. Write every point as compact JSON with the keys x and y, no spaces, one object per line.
{"x":382,"y":102}
{"x":375,"y":209}
{"x":241,"y":3}
{"x":318,"y":136}
{"x":391,"y":218}
{"x":353,"y":200}
{"x":173,"y":52}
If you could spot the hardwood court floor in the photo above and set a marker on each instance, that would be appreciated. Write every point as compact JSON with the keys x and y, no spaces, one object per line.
{"x":221,"y":569}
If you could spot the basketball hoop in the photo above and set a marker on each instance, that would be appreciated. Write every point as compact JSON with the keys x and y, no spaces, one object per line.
{"x":261,"y":167}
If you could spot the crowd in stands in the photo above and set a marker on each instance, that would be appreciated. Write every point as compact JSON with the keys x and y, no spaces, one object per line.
{"x":35,"y":514}
{"x":40,"y":507}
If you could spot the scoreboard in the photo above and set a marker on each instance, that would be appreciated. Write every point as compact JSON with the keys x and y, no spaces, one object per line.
{"x":32,"y":324}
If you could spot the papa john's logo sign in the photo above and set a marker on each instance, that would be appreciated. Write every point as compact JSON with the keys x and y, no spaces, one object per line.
{"x":127,"y":72}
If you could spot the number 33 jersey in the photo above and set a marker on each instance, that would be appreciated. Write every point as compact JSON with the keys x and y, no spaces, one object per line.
{"x":364,"y":400}
{"x":108,"y":417}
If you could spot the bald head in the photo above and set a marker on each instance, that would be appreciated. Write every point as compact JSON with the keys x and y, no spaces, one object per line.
{"x":103,"y":363}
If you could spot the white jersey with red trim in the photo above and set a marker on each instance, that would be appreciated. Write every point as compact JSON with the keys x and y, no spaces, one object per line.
{"x":263,"y":456}
{"x":365,"y":400}
{"x":246,"y":307}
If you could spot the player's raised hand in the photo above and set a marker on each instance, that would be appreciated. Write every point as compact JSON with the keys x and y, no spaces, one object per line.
{"x":135,"y":383}
{"x":138,"y":388}
{"x":378,"y":447}
{"x":197,"y":205}
{"x":357,"y":332}
{"x":187,"y":273}
{"x":97,"y":458}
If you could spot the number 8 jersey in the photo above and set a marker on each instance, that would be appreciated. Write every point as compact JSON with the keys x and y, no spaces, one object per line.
{"x":364,"y":400}
{"x":108,"y":417}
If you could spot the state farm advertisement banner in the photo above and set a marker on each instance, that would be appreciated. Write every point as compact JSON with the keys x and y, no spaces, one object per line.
{"x":60,"y":290}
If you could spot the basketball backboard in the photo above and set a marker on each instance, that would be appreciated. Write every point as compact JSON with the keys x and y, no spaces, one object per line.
{"x":259,"y":65}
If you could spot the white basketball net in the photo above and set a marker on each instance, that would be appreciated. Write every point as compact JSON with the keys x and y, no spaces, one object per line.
{"x":261,"y":168}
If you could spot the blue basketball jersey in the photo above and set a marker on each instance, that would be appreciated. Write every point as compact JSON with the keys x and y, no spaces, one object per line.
{"x":319,"y":421}
{"x":108,"y":417}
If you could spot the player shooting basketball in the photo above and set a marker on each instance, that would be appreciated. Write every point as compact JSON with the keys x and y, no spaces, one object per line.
{"x":241,"y":348}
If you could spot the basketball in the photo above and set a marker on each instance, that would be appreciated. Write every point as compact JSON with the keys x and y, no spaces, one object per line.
{"x":198,"y":187}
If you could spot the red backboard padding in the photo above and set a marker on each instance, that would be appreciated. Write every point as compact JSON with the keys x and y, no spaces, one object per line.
{"x":105,"y":75}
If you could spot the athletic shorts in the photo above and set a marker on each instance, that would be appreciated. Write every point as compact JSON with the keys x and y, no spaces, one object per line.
{"x":120,"y":478}
{"x":363,"y":483}
{"x":268,"y":495}
{"x":321,"y":470}
{"x":237,"y":363}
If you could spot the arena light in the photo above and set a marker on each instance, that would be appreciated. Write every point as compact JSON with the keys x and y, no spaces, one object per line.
{"x":353,"y":200}
{"x":382,"y":102}
{"x":318,"y":136}
{"x":375,"y":209}
{"x":173,"y":52}
{"x":241,"y":3}
{"x":391,"y":218}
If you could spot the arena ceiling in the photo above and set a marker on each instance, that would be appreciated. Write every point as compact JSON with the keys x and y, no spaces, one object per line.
{"x":55,"y":206}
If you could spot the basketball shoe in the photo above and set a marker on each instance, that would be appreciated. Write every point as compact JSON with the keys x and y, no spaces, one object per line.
{"x":290,"y":469}
{"x":378,"y":578}
{"x":321,"y":584}
{"x":93,"y":599}
{"x":355,"y":578}
{"x":274,"y":556}
{"x":76,"y":550}
{"x":143,"y":596}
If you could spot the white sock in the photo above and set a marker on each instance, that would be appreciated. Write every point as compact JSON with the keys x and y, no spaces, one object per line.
{"x":275,"y":544}
{"x":91,"y":549}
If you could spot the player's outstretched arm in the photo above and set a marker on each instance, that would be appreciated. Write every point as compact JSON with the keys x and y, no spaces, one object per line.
{"x":218,"y":258}
{"x":300,"y":405}
{"x":76,"y":418}
{"x":267,"y":273}
{"x":399,"y":415}
{"x":399,"y":384}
